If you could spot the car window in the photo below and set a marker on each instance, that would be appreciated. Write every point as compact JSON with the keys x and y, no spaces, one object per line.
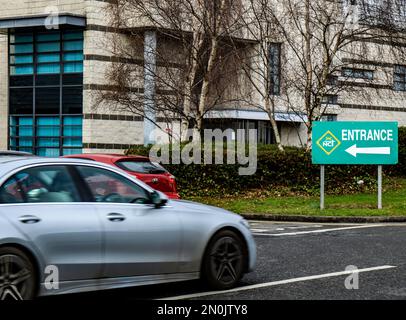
{"x":108,"y":186}
{"x":11,"y":192}
{"x":141,"y":166}
{"x":40,"y":184}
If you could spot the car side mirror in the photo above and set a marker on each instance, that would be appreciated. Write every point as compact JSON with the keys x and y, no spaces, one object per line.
{"x":158,"y":199}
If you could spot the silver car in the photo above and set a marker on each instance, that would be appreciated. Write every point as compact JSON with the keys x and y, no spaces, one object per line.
{"x":70,"y":225}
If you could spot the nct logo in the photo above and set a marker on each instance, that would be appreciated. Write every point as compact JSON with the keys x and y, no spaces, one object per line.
{"x":328,"y":143}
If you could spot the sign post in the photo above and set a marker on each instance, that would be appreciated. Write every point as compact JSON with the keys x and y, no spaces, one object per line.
{"x":379,"y":187}
{"x":354,"y":143}
{"x":322,"y":179}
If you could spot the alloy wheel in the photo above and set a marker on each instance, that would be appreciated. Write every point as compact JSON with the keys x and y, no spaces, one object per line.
{"x":16,"y":278}
{"x":226,"y":260}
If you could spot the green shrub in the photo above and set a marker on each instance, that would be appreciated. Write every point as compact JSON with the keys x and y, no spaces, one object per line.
{"x":291,"y":170}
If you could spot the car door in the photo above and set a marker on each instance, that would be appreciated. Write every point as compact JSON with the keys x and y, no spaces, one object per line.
{"x":139,"y":238}
{"x":44,"y":203}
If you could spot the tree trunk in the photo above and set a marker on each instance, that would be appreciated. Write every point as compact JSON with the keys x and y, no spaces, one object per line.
{"x":197,"y":43}
{"x":205,"y":85}
{"x":309,"y":126}
{"x":309,"y":73}
{"x":210,"y":65}
{"x":271,"y":115}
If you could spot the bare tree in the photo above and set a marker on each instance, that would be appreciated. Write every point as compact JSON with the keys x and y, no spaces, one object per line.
{"x":186,"y":75}
{"x":316,"y":37}
{"x":194,"y":75}
{"x":254,"y":59}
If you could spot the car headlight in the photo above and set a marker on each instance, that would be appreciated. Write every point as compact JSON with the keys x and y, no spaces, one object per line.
{"x":245,"y":223}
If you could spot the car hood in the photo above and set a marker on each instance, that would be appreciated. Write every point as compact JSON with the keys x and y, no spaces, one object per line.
{"x":203,"y":208}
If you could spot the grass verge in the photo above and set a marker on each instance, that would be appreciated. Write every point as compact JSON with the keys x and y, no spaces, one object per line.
{"x":360,"y":204}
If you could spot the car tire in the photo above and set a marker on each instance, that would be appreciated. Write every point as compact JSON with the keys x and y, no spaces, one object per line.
{"x":17,"y":275}
{"x":224,"y":261}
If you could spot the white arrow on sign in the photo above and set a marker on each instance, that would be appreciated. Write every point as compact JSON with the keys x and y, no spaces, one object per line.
{"x":353,"y":150}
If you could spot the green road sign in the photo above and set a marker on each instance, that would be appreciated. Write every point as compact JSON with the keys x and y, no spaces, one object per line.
{"x":336,"y":142}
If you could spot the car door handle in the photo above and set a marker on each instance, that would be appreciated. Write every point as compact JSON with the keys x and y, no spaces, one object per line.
{"x":115,"y":217}
{"x":29,"y":219}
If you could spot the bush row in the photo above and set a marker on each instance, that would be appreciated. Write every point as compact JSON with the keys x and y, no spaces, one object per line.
{"x":291,"y":170}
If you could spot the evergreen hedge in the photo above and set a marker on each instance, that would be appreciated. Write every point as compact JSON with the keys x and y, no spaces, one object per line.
{"x":291,"y":170}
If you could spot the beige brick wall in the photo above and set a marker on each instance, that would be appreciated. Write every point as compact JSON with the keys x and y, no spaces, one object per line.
{"x":17,"y":8}
{"x":112,"y":131}
{"x":3,"y":91}
{"x":371,"y":115}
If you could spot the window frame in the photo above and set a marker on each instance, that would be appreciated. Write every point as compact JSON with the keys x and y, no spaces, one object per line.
{"x":90,"y":195}
{"x":354,"y":73}
{"x":396,"y":69}
{"x":272,"y":65}
{"x":83,"y":197}
{"x":64,"y":81}
{"x":85,"y":193}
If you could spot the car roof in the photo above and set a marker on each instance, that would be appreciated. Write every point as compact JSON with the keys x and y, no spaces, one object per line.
{"x":107,"y":156}
{"x":15,"y":153}
{"x":10,"y":163}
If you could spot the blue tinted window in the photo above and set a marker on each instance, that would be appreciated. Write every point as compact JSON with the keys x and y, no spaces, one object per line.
{"x":22,"y":69}
{"x":48,"y":142}
{"x":48,"y":57}
{"x":25,"y":131}
{"x":48,"y":121}
{"x":69,"y":151}
{"x":48,"y":152}
{"x":13,"y":143}
{"x":22,"y":59}
{"x":25,"y":121}
{"x":19,"y":38}
{"x":48,"y":68}
{"x":49,"y":81}
{"x":48,"y":47}
{"x":72,"y":35}
{"x":73,"y":45}
{"x":72,"y":120}
{"x":25,"y":142}
{"x":48,"y":127}
{"x":23,"y":48}
{"x":72,"y":67}
{"x":72,"y":142}
{"x":50,"y":36}
{"x":73,"y":56}
{"x":72,"y":126}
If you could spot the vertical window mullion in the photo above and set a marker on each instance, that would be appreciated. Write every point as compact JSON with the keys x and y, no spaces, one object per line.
{"x":61,"y":66}
{"x":34,"y":117}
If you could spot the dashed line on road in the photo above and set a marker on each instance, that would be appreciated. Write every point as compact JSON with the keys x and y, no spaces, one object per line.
{"x":317,"y":231}
{"x":277,"y":283}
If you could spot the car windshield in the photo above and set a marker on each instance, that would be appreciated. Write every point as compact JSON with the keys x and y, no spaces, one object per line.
{"x":141,"y":166}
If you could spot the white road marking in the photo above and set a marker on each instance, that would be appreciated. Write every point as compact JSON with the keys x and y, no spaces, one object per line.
{"x":259,"y":230}
{"x":317,"y":231}
{"x":305,"y":227}
{"x":277,"y":283}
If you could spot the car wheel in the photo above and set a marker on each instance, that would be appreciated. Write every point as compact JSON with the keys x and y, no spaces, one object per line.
{"x":17,"y":275}
{"x":223,"y":263}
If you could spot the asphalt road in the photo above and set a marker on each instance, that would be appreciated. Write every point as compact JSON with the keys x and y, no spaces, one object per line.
{"x":304,"y":261}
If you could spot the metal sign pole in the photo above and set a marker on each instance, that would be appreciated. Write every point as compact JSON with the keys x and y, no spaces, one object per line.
{"x":379,"y":187}
{"x":322,"y":187}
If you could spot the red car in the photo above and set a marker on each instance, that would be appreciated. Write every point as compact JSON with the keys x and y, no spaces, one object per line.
{"x":140,"y":167}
